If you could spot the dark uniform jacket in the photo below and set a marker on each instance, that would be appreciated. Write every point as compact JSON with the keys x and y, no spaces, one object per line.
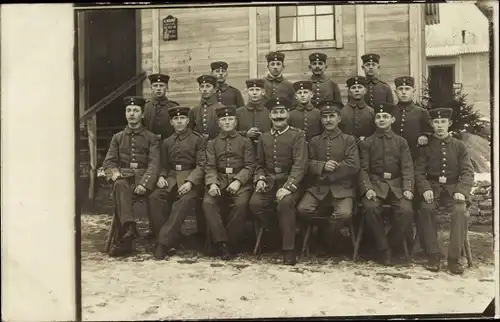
{"x":229,"y":95}
{"x":282,"y":158}
{"x":411,"y":122}
{"x":386,"y":154}
{"x":306,"y":118}
{"x":324,"y":89}
{"x":134,"y":153}
{"x":183,"y":159}
{"x":279,"y":87}
{"x":357,"y":119}
{"x":378,"y":92}
{"x":339,"y":147}
{"x":446,"y":158}
{"x":253,"y":115}
{"x":229,"y":157}
{"x":156,"y":118}
{"x":204,"y":119}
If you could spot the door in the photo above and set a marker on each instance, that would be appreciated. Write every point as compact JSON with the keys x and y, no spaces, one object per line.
{"x":442,"y":79}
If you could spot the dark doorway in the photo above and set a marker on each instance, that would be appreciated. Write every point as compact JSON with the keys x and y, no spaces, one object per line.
{"x":442,"y":79}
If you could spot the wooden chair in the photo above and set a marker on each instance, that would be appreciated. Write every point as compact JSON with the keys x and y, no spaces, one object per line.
{"x":112,"y":233}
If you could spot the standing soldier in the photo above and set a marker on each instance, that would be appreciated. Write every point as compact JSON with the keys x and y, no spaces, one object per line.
{"x":386,"y":175}
{"x":324,"y":89}
{"x":253,"y":119}
{"x":281,"y":164}
{"x":444,"y":176}
{"x":305,"y":116}
{"x":203,"y":116}
{"x":378,"y":92}
{"x":228,"y":179}
{"x":357,"y":117}
{"x":226,"y":94}
{"x":132,"y":165}
{"x":181,"y":179}
{"x":275,"y":85}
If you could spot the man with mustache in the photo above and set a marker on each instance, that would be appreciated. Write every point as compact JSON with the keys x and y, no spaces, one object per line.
{"x":228,"y":180}
{"x":281,"y":164}
{"x":305,"y":116}
{"x":226,"y":94}
{"x":386,"y":176}
{"x":180,"y":183}
{"x":377,"y":91}
{"x":275,"y":85}
{"x":445,"y":176}
{"x":324,"y":89}
{"x":132,"y":165}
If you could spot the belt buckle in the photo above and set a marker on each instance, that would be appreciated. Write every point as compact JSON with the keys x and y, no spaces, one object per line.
{"x":134,"y":165}
{"x":277,"y":169}
{"x":229,"y":170}
{"x":205,"y":136}
{"x":178,"y":167}
{"x":387,"y":175}
{"x":442,"y":179}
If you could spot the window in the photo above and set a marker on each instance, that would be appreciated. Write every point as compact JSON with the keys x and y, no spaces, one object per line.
{"x":442,"y":83}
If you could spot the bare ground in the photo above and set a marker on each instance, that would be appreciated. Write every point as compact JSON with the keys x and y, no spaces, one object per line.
{"x":193,"y":286}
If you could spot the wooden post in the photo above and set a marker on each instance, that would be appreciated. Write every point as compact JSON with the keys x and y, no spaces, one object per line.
{"x":252,"y":42}
{"x":156,"y":40}
{"x":92,"y":139}
{"x":360,"y":36}
{"x":272,"y":28}
{"x":418,"y":61}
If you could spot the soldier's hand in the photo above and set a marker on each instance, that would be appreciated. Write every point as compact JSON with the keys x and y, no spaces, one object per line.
{"x":282,"y":193}
{"x":428,"y":196}
{"x":185,"y":188}
{"x":234,"y":187}
{"x":458,"y":196}
{"x":370,"y":194}
{"x":408,"y":194}
{"x":253,"y":133}
{"x":423,"y":140}
{"x":115,"y":176}
{"x":260,"y":186}
{"x":214,"y":190}
{"x":140,"y":190}
{"x":330,"y":165}
{"x":162,"y":182}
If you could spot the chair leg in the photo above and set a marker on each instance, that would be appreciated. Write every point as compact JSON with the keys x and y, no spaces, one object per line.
{"x":305,"y":246}
{"x":407,"y":253}
{"x":353,"y":234}
{"x":208,"y":240}
{"x":468,"y":251}
{"x":358,"y":238}
{"x":111,"y":233}
{"x":259,"y":237}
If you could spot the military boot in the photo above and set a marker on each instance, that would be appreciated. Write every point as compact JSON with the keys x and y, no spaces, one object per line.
{"x":289,"y":258}
{"x":434,"y":263}
{"x":455,"y":266}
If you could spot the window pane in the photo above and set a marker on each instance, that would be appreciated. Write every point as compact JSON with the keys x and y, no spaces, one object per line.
{"x":321,"y":10}
{"x":305,"y":10}
{"x":324,"y":28}
{"x":287,"y":11}
{"x":305,"y":31}
{"x":287,"y":32}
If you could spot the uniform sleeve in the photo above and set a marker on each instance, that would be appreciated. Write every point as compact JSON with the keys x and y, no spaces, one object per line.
{"x":260,"y":163}
{"x":211,"y":174}
{"x":314,"y":167}
{"x":198,"y":174}
{"x":192,"y":117}
{"x":245,"y":174}
{"x":426,"y":123}
{"x":407,"y":169}
{"x":350,"y":165}
{"x":111,"y":162}
{"x":421,"y":172}
{"x":373,"y":127}
{"x":239,"y":99}
{"x":292,"y":97}
{"x":466,"y":171}
{"x":389,"y":95}
{"x":164,"y":159}
{"x":147,"y":115}
{"x":299,"y":167}
{"x":337,"y":97}
{"x":364,"y":158}
{"x":150,"y":177}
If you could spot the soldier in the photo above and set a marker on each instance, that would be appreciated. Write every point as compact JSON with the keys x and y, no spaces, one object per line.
{"x":324,"y":89}
{"x":334,"y":166}
{"x":444,"y":175}
{"x":132,"y":165}
{"x":181,"y":179}
{"x":357,"y":117}
{"x":377,"y":91}
{"x":386,"y":175}
{"x":156,"y":117}
{"x":253,"y":119}
{"x":226,"y":94}
{"x":305,"y":116}
{"x":228,"y":179}
{"x":203,"y":116}
{"x":275,"y":85}
{"x":281,"y":164}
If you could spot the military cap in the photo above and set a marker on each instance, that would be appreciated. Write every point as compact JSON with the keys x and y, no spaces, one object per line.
{"x":159,"y":78}
{"x":255,"y":82}
{"x":317,"y":57}
{"x":178,"y":110}
{"x":274,"y":56}
{"x":303,"y":85}
{"x":218,"y":65}
{"x":207,"y":79}
{"x":384,"y":108}
{"x":329,"y":107}
{"x":441,"y":113}
{"x":274,"y":102}
{"x":404,"y":81}
{"x":223,"y":111}
{"x":134,"y":100}
{"x":370,"y":58}
{"x":356,"y":80}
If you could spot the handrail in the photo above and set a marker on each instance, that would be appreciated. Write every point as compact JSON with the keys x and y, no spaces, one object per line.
{"x":112,"y":96}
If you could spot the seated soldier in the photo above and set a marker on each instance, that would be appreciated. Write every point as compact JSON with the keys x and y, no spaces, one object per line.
{"x":333,"y":168}
{"x":444,"y":175}
{"x":132,"y":164}
{"x":181,"y":179}
{"x":305,"y":117}
{"x":386,"y":175}
{"x":228,"y":179}
{"x":281,"y":164}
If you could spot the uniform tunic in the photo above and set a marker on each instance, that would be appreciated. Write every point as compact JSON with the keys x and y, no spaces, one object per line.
{"x":357,"y":119}
{"x":324,"y":89}
{"x":306,"y":118}
{"x":228,"y":95}
{"x":377,"y":92}
{"x":204,"y":119}
{"x":156,"y":118}
{"x":279,"y":87}
{"x":253,"y":115}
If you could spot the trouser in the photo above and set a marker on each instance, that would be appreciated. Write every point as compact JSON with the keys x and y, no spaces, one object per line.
{"x":262,"y":205}
{"x":230,"y":229}
{"x":401,"y":220}
{"x":309,"y":205}
{"x":129,"y":206}
{"x":427,"y":218}
{"x":177,"y":209}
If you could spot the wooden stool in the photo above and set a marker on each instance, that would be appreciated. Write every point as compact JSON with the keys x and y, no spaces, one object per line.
{"x":259,"y":231}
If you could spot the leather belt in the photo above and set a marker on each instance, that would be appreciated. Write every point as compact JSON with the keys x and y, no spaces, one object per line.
{"x":229,"y":170}
{"x":442,"y":179}
{"x":279,"y":170}
{"x":133,"y":165}
{"x":386,"y":175}
{"x":182,"y":167}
